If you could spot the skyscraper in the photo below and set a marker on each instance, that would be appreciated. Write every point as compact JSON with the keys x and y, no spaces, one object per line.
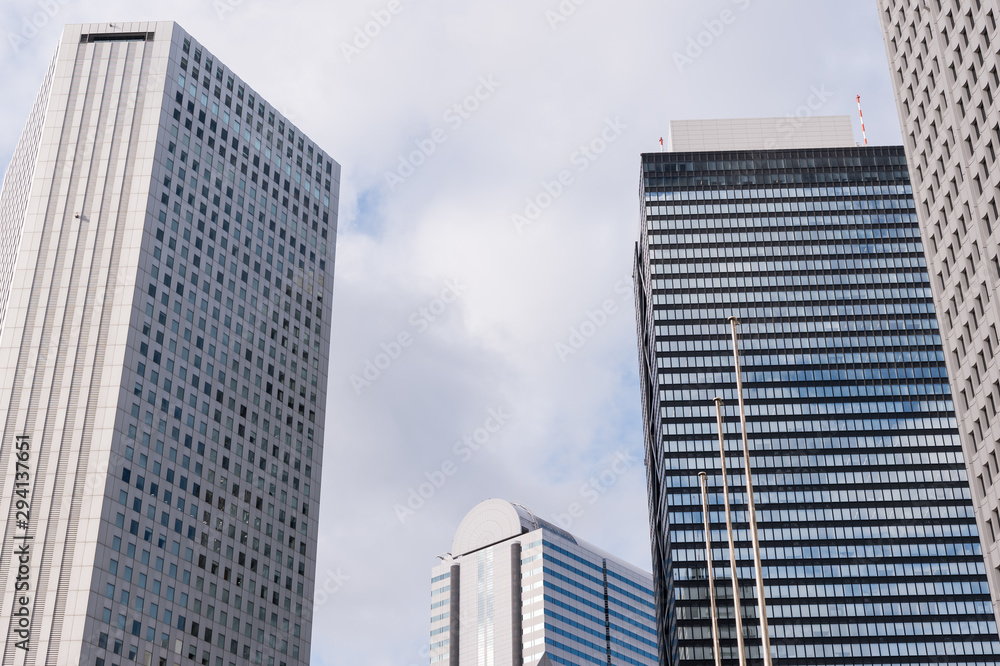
{"x":946,"y":75}
{"x":517,"y":590}
{"x":869,"y":542}
{"x":168,"y":242}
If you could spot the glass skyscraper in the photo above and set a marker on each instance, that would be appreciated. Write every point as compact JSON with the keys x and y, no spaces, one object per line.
{"x":870,"y":549}
{"x":166,"y":261}
{"x":516,"y":590}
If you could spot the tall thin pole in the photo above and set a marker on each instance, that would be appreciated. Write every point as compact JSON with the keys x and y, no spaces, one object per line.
{"x":708,"y":561}
{"x":732,"y":545}
{"x":765,"y":638}
{"x":861,"y":115}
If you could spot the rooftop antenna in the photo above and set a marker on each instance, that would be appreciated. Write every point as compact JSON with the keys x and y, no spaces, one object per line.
{"x":860,"y":115}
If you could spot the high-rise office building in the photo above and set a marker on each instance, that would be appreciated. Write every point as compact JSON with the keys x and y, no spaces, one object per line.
{"x":168,"y":242}
{"x":946,"y":74}
{"x":516,"y":590}
{"x":869,"y":543}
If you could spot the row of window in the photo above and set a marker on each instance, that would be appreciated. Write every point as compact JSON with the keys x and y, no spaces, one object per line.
{"x":785,"y":394}
{"x":731,"y":180}
{"x":841,"y":532}
{"x":770,"y":357}
{"x":800,"y":161}
{"x":805,"y":206}
{"x":884,"y":190}
{"x":832,"y":572}
{"x":852,"y":630}
{"x":676,"y":447}
{"x":966,"y":653}
{"x":770,"y":252}
{"x":886,"y":310}
{"x":767,"y":267}
{"x":820,"y":323}
{"x":849,"y":550}
{"x":792,"y":424}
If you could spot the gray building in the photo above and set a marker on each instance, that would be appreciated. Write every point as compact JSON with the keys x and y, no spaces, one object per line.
{"x":869,"y":547}
{"x":167,"y":249}
{"x":946,"y":74}
{"x":517,"y":590}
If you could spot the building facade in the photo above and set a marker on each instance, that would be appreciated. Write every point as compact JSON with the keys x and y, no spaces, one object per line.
{"x":168,"y":249}
{"x":516,"y":590}
{"x":869,"y":543}
{"x":946,"y":75}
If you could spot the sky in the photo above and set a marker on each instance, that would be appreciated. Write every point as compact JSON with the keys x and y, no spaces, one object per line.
{"x":483,"y":340}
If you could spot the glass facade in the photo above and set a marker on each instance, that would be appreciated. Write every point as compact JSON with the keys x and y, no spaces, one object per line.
{"x":870,"y":549}
{"x":516,"y":590}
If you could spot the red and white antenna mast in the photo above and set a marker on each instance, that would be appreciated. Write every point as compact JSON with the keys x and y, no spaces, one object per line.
{"x":861,"y":115}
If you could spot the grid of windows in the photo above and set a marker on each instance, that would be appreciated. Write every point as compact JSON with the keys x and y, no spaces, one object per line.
{"x":16,"y":184}
{"x":869,"y":543}
{"x":165,"y":354}
{"x":534,"y":592}
{"x":212,"y":549}
{"x":943,"y":58}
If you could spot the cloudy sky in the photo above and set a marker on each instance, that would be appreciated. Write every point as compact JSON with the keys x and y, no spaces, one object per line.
{"x":466,"y":271}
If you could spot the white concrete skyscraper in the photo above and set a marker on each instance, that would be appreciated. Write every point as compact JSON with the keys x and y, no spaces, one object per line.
{"x":946,"y":73}
{"x":516,"y":590}
{"x":166,"y":264}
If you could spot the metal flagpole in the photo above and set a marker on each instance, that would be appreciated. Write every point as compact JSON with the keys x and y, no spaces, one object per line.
{"x":765,"y":638}
{"x":732,"y":544}
{"x":708,"y":560}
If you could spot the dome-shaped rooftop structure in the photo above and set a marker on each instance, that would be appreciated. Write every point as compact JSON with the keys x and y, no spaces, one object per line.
{"x":491,"y":522}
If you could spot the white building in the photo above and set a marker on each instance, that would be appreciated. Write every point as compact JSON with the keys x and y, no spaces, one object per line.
{"x":517,"y":590}
{"x":946,"y":74}
{"x":166,"y":262}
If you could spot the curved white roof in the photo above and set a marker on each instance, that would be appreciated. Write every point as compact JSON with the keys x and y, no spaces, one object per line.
{"x":491,"y":522}
{"x":497,"y":520}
